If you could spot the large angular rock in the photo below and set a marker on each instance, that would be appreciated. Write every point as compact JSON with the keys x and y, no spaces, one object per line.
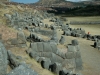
{"x":72,"y":48}
{"x":57,"y":67}
{"x":56,"y":58}
{"x":21,"y":37}
{"x":14,"y":61}
{"x":22,"y":70}
{"x":44,"y":47}
{"x":3,"y":60}
{"x":68,"y":32}
{"x":78,"y":63}
{"x":47,"y":47}
{"x":46,"y":63}
{"x":75,"y":42}
{"x":62,"y":40}
{"x":8,"y":16}
{"x":69,"y":64}
{"x":96,"y":44}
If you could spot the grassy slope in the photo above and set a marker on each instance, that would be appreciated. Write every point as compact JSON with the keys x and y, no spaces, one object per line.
{"x":8,"y":33}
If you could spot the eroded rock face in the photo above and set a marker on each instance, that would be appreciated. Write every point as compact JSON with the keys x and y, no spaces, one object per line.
{"x":3,"y":59}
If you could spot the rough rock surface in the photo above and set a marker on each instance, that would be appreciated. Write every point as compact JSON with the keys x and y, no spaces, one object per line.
{"x":3,"y":60}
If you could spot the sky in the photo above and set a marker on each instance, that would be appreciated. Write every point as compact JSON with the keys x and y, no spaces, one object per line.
{"x":33,"y":1}
{"x":25,"y":1}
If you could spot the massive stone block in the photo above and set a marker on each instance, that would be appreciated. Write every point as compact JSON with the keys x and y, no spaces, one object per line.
{"x":14,"y":61}
{"x":62,"y":40}
{"x":3,"y":59}
{"x":21,"y":37}
{"x":22,"y":69}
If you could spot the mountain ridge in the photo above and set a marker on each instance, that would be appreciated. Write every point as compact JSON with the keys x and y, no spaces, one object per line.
{"x":63,"y":3}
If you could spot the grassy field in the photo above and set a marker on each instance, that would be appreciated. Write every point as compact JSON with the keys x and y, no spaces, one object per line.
{"x":94,"y":18}
{"x":93,"y":29}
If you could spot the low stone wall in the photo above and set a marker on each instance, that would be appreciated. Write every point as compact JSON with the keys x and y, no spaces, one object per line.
{"x":48,"y":55}
{"x":84,"y":22}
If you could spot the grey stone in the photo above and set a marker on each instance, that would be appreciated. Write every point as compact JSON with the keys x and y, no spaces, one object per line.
{"x":78,"y":54}
{"x":62,"y":40}
{"x":54,"y":47}
{"x":46,"y":26}
{"x":40,"y":46}
{"x":15,"y":61}
{"x":3,"y":60}
{"x":89,"y":36}
{"x":57,"y":67}
{"x":14,"y":42}
{"x":46,"y":63}
{"x":22,"y":70}
{"x":75,"y":42}
{"x":70,"y":55}
{"x":55,"y":38}
{"x":21,"y":37}
{"x":53,"y":27}
{"x":34,"y":46}
{"x":96,"y":44}
{"x":69,"y":64}
{"x":40,"y":59}
{"x":33,"y":54}
{"x":61,"y":54}
{"x":98,"y":47}
{"x":56,"y":58}
{"x":68,"y":33}
{"x":78,"y":63}
{"x":64,"y":71}
{"x":8,"y":16}
{"x":46,"y":54}
{"x":47,"y":47}
{"x":72,"y":48}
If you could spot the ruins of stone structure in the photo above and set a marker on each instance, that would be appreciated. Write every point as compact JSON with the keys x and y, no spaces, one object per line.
{"x":44,"y":42}
{"x":3,"y":59}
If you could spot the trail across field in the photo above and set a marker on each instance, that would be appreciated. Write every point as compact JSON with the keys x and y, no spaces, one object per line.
{"x":90,"y":55}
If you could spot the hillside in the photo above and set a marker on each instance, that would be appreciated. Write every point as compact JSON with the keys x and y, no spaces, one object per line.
{"x":4,"y":0}
{"x":49,"y":2}
{"x":63,"y":3}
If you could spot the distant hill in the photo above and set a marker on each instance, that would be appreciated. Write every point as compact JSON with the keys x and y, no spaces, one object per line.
{"x":49,"y":2}
{"x":4,"y":0}
{"x":63,"y":3}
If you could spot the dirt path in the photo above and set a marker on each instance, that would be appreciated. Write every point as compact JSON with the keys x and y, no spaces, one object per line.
{"x":90,"y":56}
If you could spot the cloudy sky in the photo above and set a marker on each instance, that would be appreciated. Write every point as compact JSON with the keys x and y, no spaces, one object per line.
{"x":32,"y":1}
